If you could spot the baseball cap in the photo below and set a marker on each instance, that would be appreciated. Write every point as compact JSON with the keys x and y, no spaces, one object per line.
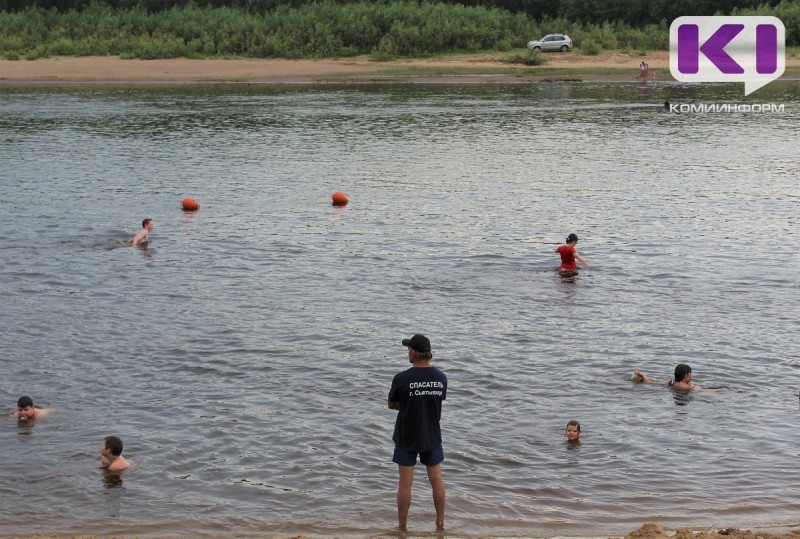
{"x":419,"y":343}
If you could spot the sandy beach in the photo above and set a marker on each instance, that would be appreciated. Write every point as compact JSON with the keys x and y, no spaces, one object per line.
{"x":647,"y":531}
{"x":465,"y":68}
{"x":471,"y":68}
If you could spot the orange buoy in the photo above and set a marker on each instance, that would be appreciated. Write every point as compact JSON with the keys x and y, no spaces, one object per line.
{"x":339,"y":199}
{"x":190,"y":204}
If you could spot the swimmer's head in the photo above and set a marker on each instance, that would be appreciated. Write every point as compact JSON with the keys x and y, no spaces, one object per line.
{"x":681,"y":372}
{"x":572,"y":237}
{"x":114,"y":445}
{"x":25,"y":409}
{"x":573,"y":431}
{"x":24,"y":402}
{"x":147,"y":222}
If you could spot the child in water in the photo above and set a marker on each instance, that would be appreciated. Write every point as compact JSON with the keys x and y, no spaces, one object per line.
{"x":569,"y":253}
{"x":573,"y":432}
{"x":27,"y":412}
{"x":681,"y":382}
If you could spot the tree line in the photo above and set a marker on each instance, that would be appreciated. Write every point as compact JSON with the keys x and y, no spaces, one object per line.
{"x":383,"y":29}
{"x":633,"y":12}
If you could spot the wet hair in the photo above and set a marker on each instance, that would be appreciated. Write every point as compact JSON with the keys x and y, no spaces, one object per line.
{"x":146,"y":222}
{"x":681,"y":371}
{"x":574,"y":423}
{"x":24,"y":402}
{"x":572,"y":237}
{"x":114,"y":445}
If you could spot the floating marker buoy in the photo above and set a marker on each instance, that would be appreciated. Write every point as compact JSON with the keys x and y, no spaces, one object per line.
{"x":339,"y":199}
{"x":190,"y":204}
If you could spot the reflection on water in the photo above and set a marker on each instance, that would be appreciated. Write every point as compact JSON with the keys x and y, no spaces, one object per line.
{"x":25,"y":428}
{"x":568,"y":277}
{"x":682,"y":398}
{"x":249,"y":361}
{"x":112,"y":479}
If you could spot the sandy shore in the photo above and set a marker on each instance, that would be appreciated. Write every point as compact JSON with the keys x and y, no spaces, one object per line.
{"x":460,"y":68}
{"x":466,"y":68}
{"x":647,"y":531}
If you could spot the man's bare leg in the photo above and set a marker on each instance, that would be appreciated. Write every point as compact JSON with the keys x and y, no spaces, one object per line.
{"x":404,"y":495}
{"x":437,"y":485}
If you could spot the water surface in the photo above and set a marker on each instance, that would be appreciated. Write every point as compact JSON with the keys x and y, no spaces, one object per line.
{"x":245,"y":355}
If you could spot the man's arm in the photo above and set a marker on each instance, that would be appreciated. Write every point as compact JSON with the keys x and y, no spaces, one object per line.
{"x":138,"y":237}
{"x":394,"y":405}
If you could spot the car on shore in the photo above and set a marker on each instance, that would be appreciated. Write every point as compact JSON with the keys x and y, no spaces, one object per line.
{"x":551,"y":42}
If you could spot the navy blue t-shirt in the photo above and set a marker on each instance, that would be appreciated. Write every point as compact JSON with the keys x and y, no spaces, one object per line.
{"x":420,"y":392}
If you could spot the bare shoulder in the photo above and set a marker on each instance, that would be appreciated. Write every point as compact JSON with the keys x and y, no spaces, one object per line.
{"x":119,"y":465}
{"x":44,"y":412}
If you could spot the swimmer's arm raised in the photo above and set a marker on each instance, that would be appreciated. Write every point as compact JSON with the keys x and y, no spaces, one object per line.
{"x":640,"y":377}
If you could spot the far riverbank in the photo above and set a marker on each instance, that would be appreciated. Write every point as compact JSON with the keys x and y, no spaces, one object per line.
{"x":472,"y":68}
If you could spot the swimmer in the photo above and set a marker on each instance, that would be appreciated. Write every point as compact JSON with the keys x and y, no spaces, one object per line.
{"x":111,"y":454}
{"x":573,"y":432}
{"x":27,"y":412}
{"x":569,"y":253}
{"x":681,"y":382}
{"x":141,"y":236}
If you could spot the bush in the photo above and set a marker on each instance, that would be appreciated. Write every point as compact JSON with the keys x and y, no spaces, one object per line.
{"x":528,"y":58}
{"x":533,"y":58}
{"x":590,"y":47}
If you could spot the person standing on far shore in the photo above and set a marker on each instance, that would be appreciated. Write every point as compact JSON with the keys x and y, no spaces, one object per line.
{"x":417,"y":394}
{"x":141,"y":236}
{"x":569,"y":254}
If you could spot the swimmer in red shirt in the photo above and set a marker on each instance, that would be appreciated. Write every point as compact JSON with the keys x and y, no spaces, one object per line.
{"x":569,"y":254}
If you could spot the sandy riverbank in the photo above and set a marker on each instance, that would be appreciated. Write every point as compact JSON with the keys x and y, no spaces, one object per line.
{"x":460,"y":68}
{"x":647,"y":531}
{"x":465,"y":68}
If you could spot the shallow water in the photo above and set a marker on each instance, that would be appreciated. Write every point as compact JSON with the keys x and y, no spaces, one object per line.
{"x":244,"y":356}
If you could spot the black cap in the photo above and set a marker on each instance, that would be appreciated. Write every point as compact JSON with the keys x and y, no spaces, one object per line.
{"x":418,"y":343}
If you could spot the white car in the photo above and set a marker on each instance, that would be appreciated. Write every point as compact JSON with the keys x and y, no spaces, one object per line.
{"x":552,"y":42}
